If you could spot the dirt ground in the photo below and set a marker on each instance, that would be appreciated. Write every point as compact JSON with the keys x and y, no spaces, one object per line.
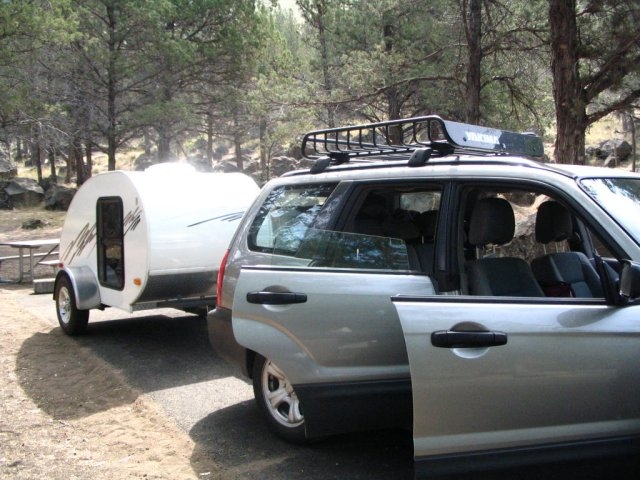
{"x":65,"y":414}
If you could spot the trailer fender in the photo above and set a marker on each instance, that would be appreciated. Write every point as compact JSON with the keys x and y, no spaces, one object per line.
{"x":85,"y":286}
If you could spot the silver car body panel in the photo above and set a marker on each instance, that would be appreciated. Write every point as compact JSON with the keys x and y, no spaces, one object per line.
{"x":346,"y":330}
{"x":568,"y":371}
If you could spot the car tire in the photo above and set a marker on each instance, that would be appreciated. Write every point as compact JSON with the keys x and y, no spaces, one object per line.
{"x":72,"y":320}
{"x":278,"y":401}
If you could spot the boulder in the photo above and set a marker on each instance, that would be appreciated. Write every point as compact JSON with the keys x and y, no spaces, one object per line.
{"x":225,"y":167}
{"x":613,"y":151}
{"x":58,"y":197}
{"x":32,"y":224}
{"x":200,"y":162}
{"x":280,"y":165}
{"x":220,"y":151}
{"x":143,"y":161}
{"x":5,"y":199}
{"x":24,"y":192}
{"x":8,"y":170}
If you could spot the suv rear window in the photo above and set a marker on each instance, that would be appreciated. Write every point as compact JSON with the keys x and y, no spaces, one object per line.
{"x":286,"y":215}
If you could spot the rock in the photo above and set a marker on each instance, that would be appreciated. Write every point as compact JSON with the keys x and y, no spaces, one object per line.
{"x":613,"y":151}
{"x":522,"y":198}
{"x":8,"y":170}
{"x":199,"y":161}
{"x":143,"y":161}
{"x":5,"y":199}
{"x":58,"y":197}
{"x":24,"y":192}
{"x":220,"y":151}
{"x":225,"y":167}
{"x":32,"y":224}
{"x":280,"y":165}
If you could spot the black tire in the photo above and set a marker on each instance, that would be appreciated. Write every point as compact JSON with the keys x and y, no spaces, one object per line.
{"x":71,"y":320}
{"x":284,"y":418}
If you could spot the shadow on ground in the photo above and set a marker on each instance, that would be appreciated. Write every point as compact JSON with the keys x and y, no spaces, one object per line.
{"x":74,"y":377}
{"x":65,"y":381}
{"x":236,"y":441}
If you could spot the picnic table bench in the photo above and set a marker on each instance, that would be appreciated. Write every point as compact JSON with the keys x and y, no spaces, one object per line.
{"x":29,"y":257}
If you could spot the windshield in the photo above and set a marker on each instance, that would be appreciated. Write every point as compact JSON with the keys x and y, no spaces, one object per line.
{"x":620,"y":197}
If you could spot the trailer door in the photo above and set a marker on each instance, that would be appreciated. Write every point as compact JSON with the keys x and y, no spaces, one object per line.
{"x":110,"y":242}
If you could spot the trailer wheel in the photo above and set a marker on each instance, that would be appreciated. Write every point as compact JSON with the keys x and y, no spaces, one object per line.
{"x":72,"y":320}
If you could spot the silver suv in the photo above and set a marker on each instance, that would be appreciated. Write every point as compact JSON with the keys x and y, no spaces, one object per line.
{"x":433,"y":275}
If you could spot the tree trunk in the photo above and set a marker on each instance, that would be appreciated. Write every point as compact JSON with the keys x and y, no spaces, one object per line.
{"x":164,"y":145}
{"x":209,"y":138}
{"x":35,"y":160}
{"x":78,"y":160}
{"x":264,"y":175}
{"x":237,"y":139}
{"x":148,"y":143}
{"x":52,"y":163}
{"x":571,"y":112}
{"x":632,"y":129}
{"x":88,"y":154}
{"x":111,"y":90}
{"x":473,"y":29}
{"x":394,"y":104}
{"x":19,"y":150}
{"x":70,"y":166}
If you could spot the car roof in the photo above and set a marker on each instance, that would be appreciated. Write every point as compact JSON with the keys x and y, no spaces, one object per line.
{"x":452,"y":166}
{"x":588,"y":171}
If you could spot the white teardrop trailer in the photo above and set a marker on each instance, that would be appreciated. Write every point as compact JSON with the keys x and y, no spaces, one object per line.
{"x":142,"y":240}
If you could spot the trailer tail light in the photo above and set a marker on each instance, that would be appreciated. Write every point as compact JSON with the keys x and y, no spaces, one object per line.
{"x":223,"y":265}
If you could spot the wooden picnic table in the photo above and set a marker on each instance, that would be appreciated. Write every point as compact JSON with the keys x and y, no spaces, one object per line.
{"x":27,"y":251}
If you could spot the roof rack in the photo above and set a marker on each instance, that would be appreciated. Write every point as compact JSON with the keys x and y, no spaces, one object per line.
{"x":425,"y":135}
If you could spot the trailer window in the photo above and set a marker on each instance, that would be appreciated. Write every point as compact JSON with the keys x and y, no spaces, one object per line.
{"x":110,"y":242}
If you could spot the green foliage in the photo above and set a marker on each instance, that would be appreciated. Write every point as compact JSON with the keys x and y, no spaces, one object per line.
{"x":246,"y":72}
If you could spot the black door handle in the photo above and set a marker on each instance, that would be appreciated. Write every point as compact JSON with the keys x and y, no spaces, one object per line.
{"x":276,"y":298}
{"x":467,"y":339}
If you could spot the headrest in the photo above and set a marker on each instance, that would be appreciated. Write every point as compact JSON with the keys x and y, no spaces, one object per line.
{"x":404,"y":230}
{"x":553,"y":223}
{"x":492,"y":222}
{"x":373,"y":207}
{"x":427,"y":222}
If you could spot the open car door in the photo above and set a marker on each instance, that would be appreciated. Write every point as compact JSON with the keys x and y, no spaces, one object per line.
{"x":514,"y":380}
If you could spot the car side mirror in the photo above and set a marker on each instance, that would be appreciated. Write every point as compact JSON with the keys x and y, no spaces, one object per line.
{"x":630,"y":281}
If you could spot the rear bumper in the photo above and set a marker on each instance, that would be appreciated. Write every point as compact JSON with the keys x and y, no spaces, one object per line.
{"x":223,"y":341}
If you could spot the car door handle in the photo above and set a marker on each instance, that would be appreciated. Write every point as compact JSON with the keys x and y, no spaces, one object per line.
{"x":276,"y":298}
{"x":467,"y":339}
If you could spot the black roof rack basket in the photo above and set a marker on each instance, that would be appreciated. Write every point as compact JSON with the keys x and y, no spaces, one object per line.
{"x":393,"y":137}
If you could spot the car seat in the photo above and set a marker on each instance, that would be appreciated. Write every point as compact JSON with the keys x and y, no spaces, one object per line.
{"x":493,"y":223}
{"x":571,"y":269}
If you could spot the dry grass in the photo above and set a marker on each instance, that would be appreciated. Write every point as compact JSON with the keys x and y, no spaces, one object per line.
{"x":11,"y":222}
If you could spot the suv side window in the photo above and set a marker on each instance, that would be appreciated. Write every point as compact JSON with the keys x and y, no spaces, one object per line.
{"x":285,"y":217}
{"x":524,"y":243}
{"x":387,"y":228}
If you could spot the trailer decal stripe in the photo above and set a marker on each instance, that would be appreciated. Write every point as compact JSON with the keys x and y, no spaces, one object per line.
{"x":132,"y":220}
{"x":229,"y":217}
{"x":84,"y":238}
